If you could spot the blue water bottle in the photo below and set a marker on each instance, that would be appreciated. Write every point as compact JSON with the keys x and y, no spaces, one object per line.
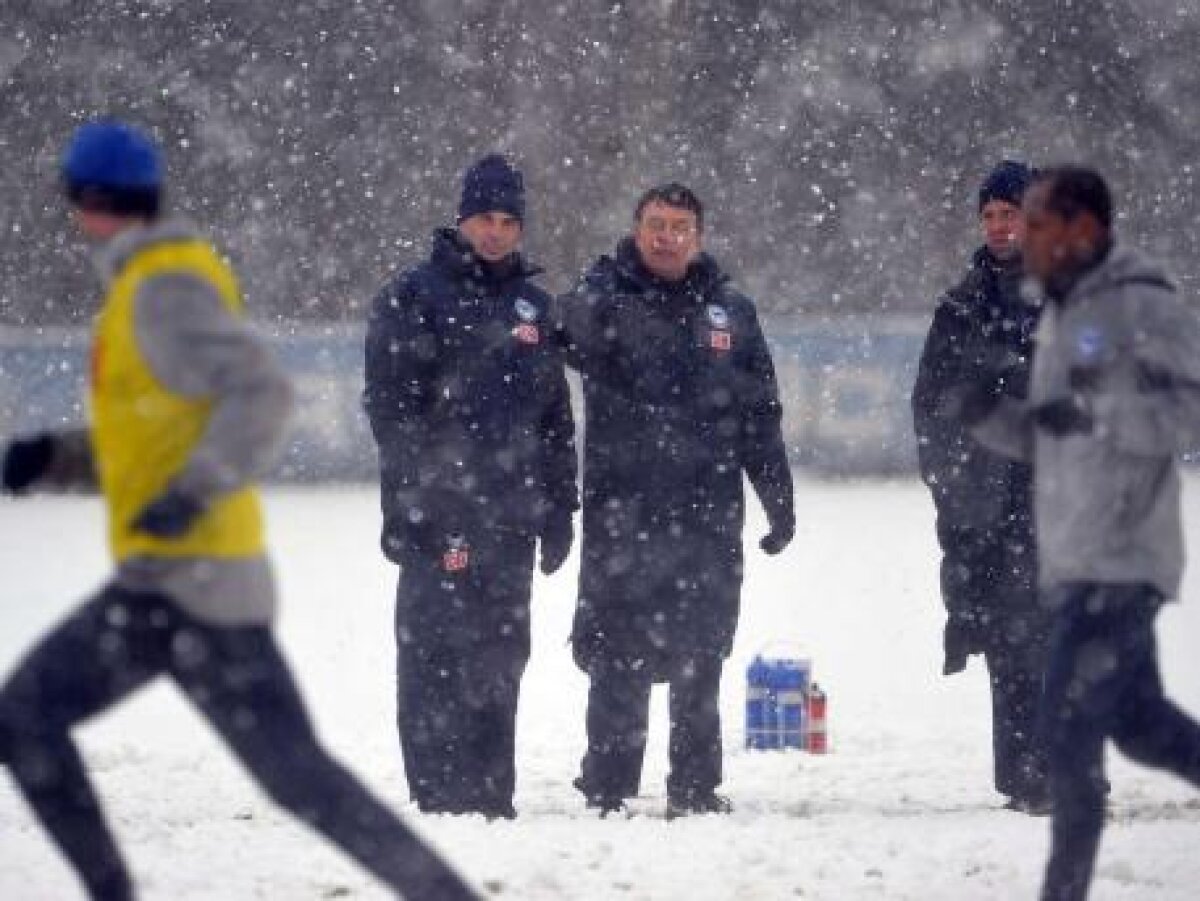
{"x":791,"y":690}
{"x":762,"y":716}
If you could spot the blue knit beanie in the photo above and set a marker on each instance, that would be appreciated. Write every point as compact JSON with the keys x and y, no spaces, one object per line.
{"x":490,"y":185}
{"x":1007,"y":182}
{"x":113,"y":167}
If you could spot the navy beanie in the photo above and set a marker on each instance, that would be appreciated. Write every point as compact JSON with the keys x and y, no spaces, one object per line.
{"x":1007,"y":182}
{"x":492,"y":184}
{"x":112,"y":167}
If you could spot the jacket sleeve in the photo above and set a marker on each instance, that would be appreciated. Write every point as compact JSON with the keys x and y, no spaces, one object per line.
{"x":1008,"y":430}
{"x":764,"y":454}
{"x":400,"y":351}
{"x":941,"y":376}
{"x":1154,"y":408}
{"x":560,"y":464}
{"x":579,"y":328}
{"x":198,"y":348}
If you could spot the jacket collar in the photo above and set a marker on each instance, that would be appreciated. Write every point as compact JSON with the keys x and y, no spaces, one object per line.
{"x":111,"y":256}
{"x":1003,"y":280}
{"x":702,"y":278}
{"x":984,"y":259}
{"x":453,"y":255}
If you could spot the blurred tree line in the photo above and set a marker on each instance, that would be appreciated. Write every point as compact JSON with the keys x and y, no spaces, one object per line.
{"x":837,"y":143}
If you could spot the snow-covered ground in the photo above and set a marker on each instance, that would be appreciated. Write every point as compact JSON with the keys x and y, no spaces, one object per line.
{"x":902,"y":808}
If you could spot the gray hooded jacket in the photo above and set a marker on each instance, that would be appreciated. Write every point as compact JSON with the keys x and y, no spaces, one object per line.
{"x":196,"y":348}
{"x":1107,"y":503}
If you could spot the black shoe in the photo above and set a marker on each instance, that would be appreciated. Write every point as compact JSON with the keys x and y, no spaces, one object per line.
{"x":499,"y":811}
{"x":702,"y":803}
{"x":597,"y":800}
{"x":440,"y":808}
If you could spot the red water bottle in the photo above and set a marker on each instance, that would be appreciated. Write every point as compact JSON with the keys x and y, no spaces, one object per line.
{"x":816,"y":740}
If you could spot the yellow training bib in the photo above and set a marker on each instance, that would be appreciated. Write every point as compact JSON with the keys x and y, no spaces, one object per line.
{"x":143,"y":433}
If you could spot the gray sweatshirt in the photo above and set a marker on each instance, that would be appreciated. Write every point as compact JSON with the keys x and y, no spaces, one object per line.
{"x":1107,"y":504}
{"x":195,"y":347}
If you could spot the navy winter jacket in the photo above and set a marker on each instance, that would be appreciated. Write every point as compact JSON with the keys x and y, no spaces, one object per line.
{"x":680,"y":400}
{"x":468,"y":402}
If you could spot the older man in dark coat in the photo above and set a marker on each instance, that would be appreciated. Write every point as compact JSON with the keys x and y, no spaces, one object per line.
{"x":680,"y":400}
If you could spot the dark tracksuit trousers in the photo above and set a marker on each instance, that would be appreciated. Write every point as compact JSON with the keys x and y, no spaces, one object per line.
{"x":236,"y":677}
{"x":617,"y":722}
{"x":1103,"y":682}
{"x":462,"y":646}
{"x":993,"y":576}
{"x":1015,"y":673}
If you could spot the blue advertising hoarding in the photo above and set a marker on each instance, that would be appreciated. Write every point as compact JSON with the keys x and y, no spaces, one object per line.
{"x":845,"y":386}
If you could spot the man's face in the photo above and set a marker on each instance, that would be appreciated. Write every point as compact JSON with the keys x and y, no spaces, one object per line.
{"x":668,"y":239}
{"x":1003,"y":228}
{"x":97,"y":226}
{"x":492,"y":235}
{"x":1054,"y":245}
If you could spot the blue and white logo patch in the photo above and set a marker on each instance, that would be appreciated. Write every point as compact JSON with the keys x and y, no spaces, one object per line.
{"x":526,"y":310}
{"x":1089,"y":342}
{"x":718,"y":316}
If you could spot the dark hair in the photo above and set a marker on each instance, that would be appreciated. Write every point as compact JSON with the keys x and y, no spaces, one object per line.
{"x":136,"y":203}
{"x":672,"y":194}
{"x":1074,"y":190}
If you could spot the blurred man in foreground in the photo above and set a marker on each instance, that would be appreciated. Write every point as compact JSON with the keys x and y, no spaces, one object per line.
{"x":1113,"y":402}
{"x":187,"y":409}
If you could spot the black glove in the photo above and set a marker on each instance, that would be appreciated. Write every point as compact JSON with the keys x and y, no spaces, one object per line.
{"x":960,"y":640}
{"x":1065,"y":416}
{"x":171,"y":515}
{"x":778,"y":538}
{"x":26,"y":461}
{"x":558,"y":534}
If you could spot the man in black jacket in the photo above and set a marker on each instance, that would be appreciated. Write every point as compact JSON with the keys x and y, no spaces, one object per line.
{"x":978,"y":349}
{"x":470,"y":407}
{"x":680,"y":400}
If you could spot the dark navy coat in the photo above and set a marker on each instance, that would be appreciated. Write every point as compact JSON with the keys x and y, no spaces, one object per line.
{"x":681,"y":400}
{"x":468,"y":402}
{"x":981,"y":340}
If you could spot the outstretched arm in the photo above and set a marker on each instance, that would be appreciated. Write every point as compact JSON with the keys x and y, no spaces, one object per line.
{"x":764,"y":453}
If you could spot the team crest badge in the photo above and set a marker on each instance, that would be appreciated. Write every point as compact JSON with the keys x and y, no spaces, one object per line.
{"x":719,"y":338}
{"x":526,"y":330}
{"x":1090,"y":343}
{"x":457,"y":557}
{"x":526,"y":310}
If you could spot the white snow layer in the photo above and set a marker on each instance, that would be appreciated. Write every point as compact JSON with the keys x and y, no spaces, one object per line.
{"x":901,"y":809}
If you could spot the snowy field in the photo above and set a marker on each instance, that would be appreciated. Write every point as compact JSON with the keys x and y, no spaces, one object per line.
{"x":902,"y":808}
